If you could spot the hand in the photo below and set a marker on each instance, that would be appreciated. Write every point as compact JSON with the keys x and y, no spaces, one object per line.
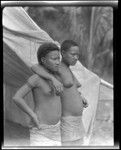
{"x":85,"y":102}
{"x":58,"y":86}
{"x":36,"y":121}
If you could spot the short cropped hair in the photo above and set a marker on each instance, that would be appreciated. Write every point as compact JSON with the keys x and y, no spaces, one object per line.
{"x":68,"y":44}
{"x":44,"y":49}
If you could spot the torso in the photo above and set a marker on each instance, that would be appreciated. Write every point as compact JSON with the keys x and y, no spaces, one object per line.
{"x":71,"y":100}
{"x":47,"y":104}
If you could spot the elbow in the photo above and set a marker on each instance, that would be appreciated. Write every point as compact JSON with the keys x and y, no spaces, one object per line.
{"x":32,"y":68}
{"x":15,"y":99}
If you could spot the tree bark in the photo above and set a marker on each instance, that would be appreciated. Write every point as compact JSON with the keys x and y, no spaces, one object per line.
{"x":73,"y":21}
{"x":90,"y":46}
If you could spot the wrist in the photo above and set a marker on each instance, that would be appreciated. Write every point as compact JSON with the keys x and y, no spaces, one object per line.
{"x":52,"y":78}
{"x":33,"y":115}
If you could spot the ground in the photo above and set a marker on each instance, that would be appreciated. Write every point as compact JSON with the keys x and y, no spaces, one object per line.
{"x":102,"y":135}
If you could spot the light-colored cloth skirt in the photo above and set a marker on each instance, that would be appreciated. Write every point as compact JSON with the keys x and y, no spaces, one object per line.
{"x":72,"y":128}
{"x":47,"y":135}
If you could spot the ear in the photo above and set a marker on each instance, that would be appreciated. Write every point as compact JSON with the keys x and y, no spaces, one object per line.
{"x":62,"y":53}
{"x":43,"y":60}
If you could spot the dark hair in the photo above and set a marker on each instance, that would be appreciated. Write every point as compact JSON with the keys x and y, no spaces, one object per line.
{"x":67,"y":44}
{"x":44,"y":49}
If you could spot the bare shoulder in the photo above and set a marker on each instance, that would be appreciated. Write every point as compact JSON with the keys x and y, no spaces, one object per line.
{"x":36,"y":67}
{"x":33,"y":80}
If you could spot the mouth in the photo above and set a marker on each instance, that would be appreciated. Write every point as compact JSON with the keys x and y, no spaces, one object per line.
{"x":56,"y":67}
{"x":74,"y":61}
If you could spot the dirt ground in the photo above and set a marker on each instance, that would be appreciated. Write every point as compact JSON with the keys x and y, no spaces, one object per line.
{"x":102,"y":135}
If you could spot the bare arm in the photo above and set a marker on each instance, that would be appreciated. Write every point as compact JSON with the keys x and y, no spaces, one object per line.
{"x":38,"y":69}
{"x":20,"y":102}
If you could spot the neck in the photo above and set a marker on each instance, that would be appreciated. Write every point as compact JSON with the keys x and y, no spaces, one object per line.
{"x":66,"y":64}
{"x":50,"y":71}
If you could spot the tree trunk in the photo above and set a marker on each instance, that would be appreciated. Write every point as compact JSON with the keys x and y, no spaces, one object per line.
{"x":90,"y":46}
{"x":73,"y":20}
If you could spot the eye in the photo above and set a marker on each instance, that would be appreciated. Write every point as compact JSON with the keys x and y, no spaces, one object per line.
{"x":56,"y":58}
{"x":72,"y":54}
{"x":77,"y":55}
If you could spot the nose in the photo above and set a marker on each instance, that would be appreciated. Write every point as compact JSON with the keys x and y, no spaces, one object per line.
{"x":57,"y":62}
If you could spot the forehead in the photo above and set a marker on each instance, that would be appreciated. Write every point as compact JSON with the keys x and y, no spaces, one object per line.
{"x":53,"y":54}
{"x":73,"y":49}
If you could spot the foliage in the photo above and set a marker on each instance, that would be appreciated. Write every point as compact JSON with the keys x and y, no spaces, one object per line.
{"x":103,"y":38}
{"x":91,"y":27}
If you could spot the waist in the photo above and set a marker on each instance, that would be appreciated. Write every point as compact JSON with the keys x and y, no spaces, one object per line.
{"x":47,"y":126}
{"x":71,"y":98}
{"x":45,"y":123}
{"x":49,"y":114}
{"x":50,"y":131}
{"x":48,"y":119}
{"x":72,"y":108}
{"x":70,"y":113}
{"x":72,"y":120}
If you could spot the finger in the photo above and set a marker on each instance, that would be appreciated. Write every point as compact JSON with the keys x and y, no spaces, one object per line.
{"x":61,"y":89}
{"x":86,"y":105}
{"x":57,"y":93}
{"x":38,"y":125}
{"x":57,"y":90}
{"x":83,"y":105}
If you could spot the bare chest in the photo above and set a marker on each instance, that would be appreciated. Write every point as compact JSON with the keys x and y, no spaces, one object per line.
{"x":44,"y":87}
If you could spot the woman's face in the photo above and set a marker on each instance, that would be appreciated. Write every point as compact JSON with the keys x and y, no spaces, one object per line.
{"x":71,"y":56}
{"x":52,"y":61}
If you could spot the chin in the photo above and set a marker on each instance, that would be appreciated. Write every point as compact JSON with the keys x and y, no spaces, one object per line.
{"x":73,"y":64}
{"x":55,"y":70}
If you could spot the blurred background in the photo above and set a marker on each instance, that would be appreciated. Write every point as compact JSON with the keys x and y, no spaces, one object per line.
{"x":90,"y":27}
